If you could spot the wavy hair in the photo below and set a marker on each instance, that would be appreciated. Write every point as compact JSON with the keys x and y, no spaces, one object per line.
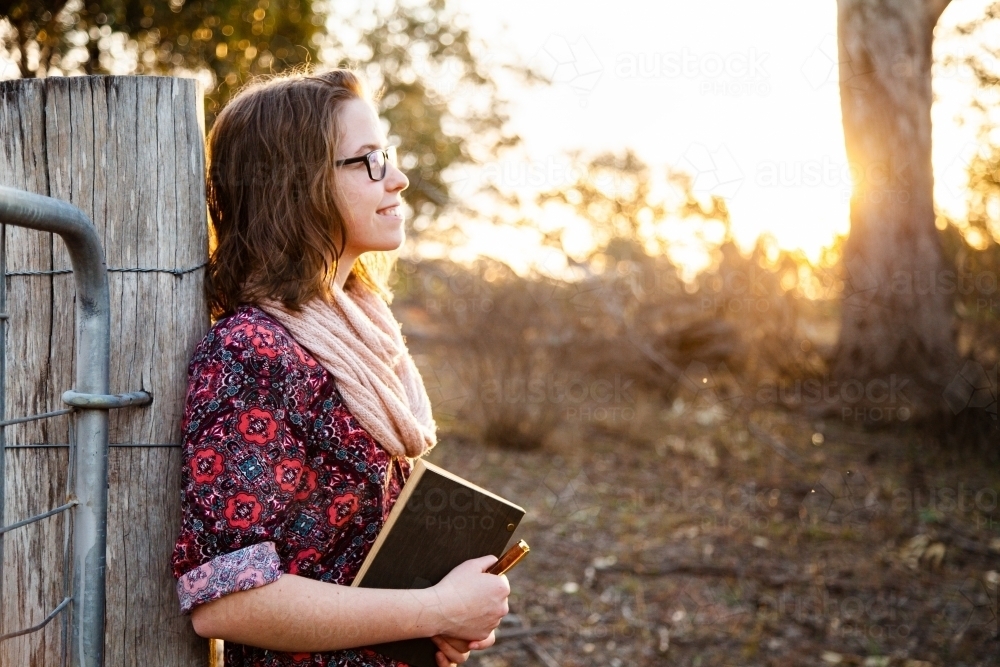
{"x":272,"y":193}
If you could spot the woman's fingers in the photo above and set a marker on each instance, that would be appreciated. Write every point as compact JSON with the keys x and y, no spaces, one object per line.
{"x":440,"y":657}
{"x":453,"y":652}
{"x":450,"y":652}
{"x":460,"y":645}
{"x":483,"y":643}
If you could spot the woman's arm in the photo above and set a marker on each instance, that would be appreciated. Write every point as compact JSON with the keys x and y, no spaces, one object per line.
{"x":301,"y":615}
{"x":296,"y":614}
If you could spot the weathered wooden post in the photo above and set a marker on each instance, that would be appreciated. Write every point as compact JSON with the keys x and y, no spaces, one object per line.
{"x":129,"y":152}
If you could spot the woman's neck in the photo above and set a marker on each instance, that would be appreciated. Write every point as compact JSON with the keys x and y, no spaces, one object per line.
{"x":345,"y":264}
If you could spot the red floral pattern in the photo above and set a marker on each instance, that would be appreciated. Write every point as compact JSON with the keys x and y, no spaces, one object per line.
{"x":343,"y":508}
{"x":304,"y":356}
{"x":206,"y":465}
{"x":304,"y":561}
{"x":257,"y":426}
{"x":273,"y":456}
{"x":287,"y":473}
{"x":243,"y":510}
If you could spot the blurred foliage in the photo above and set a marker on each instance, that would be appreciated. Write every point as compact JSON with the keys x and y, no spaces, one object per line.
{"x":745,"y":310}
{"x":614,"y":195}
{"x":231,"y":39}
{"x":973,"y":242}
{"x":516,"y":356}
{"x":437,"y":94}
{"x":508,"y":348}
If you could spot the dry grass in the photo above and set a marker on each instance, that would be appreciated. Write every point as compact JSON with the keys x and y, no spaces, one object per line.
{"x":686,"y":539}
{"x":683,"y":508}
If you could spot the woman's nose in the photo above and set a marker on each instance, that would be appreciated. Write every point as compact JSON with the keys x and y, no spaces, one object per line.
{"x":395,"y":179}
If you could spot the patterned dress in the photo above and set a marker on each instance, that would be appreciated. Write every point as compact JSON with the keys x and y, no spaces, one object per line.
{"x":278,"y":477}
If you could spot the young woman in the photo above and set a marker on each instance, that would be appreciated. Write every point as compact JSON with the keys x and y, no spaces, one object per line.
{"x":304,"y":409}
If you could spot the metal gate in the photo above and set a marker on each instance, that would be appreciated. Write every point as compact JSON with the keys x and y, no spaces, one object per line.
{"x":84,"y":554}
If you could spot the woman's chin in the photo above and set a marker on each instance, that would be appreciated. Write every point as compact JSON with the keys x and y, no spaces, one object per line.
{"x":391,"y":242}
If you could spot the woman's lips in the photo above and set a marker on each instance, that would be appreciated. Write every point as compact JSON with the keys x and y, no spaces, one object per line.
{"x":391,"y":211}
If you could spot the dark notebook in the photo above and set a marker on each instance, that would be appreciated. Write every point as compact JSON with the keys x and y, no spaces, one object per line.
{"x":438,"y":522}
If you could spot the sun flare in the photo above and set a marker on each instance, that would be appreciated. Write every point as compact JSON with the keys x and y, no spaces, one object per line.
{"x":721,"y":91}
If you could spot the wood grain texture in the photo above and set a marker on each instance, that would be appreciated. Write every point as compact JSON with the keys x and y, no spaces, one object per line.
{"x":891,"y":330}
{"x":129,"y":152}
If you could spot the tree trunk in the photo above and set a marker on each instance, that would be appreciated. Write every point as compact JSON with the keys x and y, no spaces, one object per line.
{"x":128,"y":151}
{"x":897,"y":347}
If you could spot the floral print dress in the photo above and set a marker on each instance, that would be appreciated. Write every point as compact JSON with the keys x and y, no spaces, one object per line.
{"x":278,"y":477}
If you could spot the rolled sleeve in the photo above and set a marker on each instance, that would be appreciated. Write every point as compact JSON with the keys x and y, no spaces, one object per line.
{"x":243,"y":460}
{"x":247,"y":568}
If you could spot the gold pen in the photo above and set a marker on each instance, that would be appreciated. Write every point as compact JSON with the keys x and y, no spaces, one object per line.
{"x":511,"y":558}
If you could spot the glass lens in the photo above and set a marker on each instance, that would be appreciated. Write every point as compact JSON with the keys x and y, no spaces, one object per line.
{"x":376,"y":165}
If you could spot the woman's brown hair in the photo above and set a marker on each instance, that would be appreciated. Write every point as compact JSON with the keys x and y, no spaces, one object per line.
{"x":272,"y":189}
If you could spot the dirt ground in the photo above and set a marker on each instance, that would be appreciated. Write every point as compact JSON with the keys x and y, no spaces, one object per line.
{"x":686,"y":536}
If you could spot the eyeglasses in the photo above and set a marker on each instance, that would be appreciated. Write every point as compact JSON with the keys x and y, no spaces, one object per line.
{"x":377,"y":161}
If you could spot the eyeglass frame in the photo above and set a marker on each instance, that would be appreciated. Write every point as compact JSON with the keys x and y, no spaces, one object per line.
{"x":368,"y":165}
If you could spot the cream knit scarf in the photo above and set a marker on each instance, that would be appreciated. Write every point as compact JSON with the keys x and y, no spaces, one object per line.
{"x":355,"y":336}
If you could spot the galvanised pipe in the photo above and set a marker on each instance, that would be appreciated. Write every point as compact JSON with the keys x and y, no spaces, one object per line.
{"x":93,"y":326}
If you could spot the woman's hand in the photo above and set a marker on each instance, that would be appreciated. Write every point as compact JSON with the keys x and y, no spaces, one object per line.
{"x":472,"y":602}
{"x":456,"y":651}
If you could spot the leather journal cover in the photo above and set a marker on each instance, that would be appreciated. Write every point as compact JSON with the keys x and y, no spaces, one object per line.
{"x":438,"y":522}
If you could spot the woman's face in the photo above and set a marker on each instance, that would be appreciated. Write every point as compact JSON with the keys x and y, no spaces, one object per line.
{"x":372,"y":210}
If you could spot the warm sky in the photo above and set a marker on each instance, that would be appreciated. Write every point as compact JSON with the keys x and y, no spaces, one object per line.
{"x":742,"y":94}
